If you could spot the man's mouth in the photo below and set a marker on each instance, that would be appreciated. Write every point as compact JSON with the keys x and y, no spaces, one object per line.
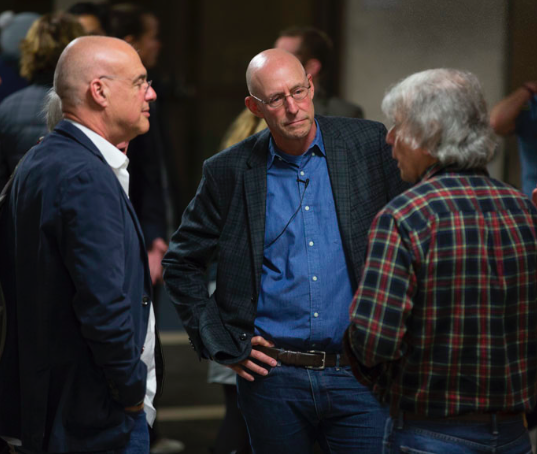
{"x":294,"y":122}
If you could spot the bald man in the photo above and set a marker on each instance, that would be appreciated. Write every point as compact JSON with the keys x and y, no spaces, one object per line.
{"x":78,"y":369}
{"x":287,"y":213}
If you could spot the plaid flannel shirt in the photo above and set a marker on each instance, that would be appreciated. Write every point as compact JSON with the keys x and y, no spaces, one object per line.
{"x":444,"y":321}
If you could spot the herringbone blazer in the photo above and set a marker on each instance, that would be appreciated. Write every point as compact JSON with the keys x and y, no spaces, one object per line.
{"x":226,"y":219}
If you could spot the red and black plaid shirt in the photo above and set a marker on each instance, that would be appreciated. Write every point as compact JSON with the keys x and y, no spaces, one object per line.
{"x":445,"y":318}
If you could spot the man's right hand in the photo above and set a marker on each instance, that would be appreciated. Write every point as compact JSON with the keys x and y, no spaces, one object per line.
{"x":248,"y":364}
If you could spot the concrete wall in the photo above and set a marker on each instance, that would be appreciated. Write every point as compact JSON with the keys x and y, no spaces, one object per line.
{"x":386,"y":40}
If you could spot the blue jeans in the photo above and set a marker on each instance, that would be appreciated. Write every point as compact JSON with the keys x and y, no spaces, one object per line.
{"x":139,"y":439}
{"x":292,"y":407}
{"x":455,"y":437}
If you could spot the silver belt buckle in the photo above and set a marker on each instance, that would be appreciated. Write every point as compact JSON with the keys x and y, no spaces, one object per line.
{"x":317,"y":352}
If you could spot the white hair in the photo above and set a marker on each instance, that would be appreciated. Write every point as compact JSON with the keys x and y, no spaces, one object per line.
{"x":52,"y":109}
{"x":443,"y":111}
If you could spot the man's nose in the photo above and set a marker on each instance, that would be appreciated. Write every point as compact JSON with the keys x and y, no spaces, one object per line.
{"x":290,"y":104}
{"x":151,"y":94}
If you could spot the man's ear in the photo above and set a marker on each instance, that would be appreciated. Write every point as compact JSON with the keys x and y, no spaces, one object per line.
{"x":312,"y":86}
{"x":534,"y":196}
{"x":313,"y":66}
{"x":98,"y":92}
{"x":253,"y":107}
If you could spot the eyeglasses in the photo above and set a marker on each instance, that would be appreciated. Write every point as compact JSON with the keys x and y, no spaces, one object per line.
{"x":140,"y":84}
{"x":297,"y":93}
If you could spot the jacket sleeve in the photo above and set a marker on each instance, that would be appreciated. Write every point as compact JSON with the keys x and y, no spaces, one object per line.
{"x":191,"y":249}
{"x":93,"y":248}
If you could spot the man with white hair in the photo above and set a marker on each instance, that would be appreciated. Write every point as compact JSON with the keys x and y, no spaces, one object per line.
{"x":443,"y":322}
{"x":287,"y":211}
{"x":79,"y":368}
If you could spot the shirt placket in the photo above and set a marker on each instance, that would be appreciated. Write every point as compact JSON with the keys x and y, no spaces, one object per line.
{"x":312,"y":251}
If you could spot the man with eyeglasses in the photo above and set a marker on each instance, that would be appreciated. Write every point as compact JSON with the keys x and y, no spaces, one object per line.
{"x":79,"y":369}
{"x":286,"y":211}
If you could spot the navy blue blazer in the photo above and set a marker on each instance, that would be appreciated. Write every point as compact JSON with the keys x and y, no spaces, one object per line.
{"x":77,"y":289}
{"x":227,"y":217}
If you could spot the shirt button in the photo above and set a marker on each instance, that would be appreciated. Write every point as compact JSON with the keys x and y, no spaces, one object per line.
{"x":302,"y":172}
{"x":311,"y":243}
{"x":314,"y":278}
{"x":315,"y":314}
{"x":307,"y":208}
{"x":145,"y":301}
{"x":313,"y":154}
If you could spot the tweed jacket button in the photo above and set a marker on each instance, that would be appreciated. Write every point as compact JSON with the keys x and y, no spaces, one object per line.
{"x":243,"y":337}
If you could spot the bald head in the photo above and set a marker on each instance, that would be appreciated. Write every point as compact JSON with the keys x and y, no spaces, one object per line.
{"x":103,"y":85}
{"x":266,"y":63}
{"x":87,"y":58}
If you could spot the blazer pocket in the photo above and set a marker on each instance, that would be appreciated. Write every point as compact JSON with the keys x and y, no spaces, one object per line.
{"x":89,"y":405}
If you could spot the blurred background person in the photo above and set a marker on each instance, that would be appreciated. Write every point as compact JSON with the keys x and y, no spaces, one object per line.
{"x":22,"y":121}
{"x":13,"y":29}
{"x":148,"y":181}
{"x":314,"y":49}
{"x":517,"y":114}
{"x":92,"y":16}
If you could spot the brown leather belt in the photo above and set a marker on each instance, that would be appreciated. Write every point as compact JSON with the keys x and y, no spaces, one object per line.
{"x":312,"y":359}
{"x":476,"y":417}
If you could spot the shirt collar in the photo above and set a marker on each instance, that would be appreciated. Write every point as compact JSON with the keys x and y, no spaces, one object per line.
{"x":115,"y":158}
{"x":438,"y":168}
{"x":274,"y":151}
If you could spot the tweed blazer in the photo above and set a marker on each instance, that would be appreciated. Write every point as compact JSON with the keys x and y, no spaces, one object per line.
{"x":227,"y":218}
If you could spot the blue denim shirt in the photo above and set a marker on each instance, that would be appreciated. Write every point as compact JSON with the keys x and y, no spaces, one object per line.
{"x":306,"y":288}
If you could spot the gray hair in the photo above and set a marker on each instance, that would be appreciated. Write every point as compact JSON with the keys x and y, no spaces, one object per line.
{"x":52,"y":109}
{"x":443,"y":111}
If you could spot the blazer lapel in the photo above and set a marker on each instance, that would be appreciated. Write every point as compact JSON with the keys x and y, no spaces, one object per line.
{"x":68,"y":129}
{"x":255,"y":192}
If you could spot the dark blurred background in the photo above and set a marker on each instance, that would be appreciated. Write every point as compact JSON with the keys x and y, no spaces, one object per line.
{"x":207,"y":45}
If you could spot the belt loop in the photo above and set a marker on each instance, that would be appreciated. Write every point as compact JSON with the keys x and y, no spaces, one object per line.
{"x":337,"y":360}
{"x":400,"y":419}
{"x":494,"y":423}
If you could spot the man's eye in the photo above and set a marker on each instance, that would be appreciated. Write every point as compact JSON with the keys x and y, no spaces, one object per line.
{"x":275,"y":99}
{"x":299,"y":91}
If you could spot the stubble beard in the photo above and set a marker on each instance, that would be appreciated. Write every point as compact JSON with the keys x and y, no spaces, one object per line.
{"x":300,"y":132}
